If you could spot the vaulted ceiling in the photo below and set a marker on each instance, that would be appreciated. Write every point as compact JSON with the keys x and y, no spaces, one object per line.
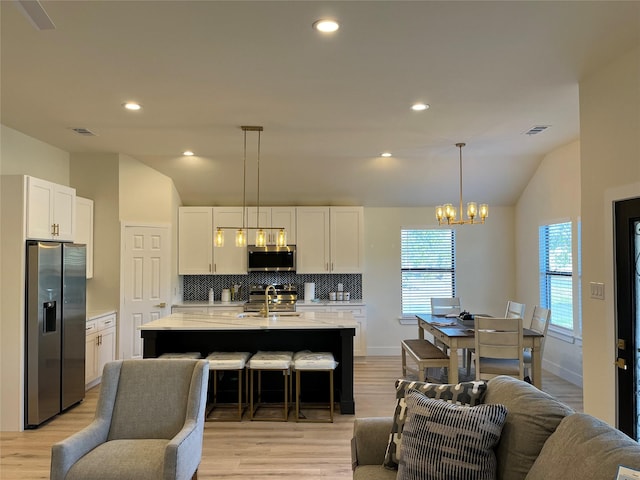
{"x":329,"y":104}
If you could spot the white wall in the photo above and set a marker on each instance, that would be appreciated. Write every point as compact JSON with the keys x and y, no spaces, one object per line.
{"x":145,"y":194}
{"x":95,"y":176}
{"x":552,"y":195}
{"x":24,"y":155}
{"x":610,"y":152}
{"x":485,"y":269}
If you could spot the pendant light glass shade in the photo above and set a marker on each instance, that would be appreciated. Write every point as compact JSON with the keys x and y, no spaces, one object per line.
{"x":241,"y":237}
{"x":219,"y":238}
{"x":282,"y":238}
{"x":261,"y":238}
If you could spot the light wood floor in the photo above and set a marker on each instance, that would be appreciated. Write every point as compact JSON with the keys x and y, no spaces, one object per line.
{"x":252,"y":450}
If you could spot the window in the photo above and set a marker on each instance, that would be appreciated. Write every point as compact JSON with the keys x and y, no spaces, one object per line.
{"x":556,"y":273}
{"x":428,"y":268}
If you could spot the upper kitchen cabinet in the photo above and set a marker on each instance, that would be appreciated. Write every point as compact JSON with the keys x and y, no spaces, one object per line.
{"x":347,"y":239}
{"x":273,"y":217}
{"x":195,"y":240}
{"x":312,"y":232}
{"x":196,"y":253}
{"x":51,"y":210}
{"x":330,"y":239}
{"x":84,"y":229}
{"x":229,"y":259}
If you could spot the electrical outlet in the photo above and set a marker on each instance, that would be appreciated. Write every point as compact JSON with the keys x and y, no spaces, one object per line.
{"x":596,"y":290}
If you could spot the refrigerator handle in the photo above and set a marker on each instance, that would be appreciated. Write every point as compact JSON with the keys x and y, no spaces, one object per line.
{"x":49,"y":316}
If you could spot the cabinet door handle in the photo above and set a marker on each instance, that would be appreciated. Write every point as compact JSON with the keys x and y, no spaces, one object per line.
{"x":53,"y":229}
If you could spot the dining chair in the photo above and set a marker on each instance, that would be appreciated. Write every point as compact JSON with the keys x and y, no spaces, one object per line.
{"x":539,"y":323}
{"x":514,"y":310}
{"x":149,"y":424}
{"x":498,"y":347}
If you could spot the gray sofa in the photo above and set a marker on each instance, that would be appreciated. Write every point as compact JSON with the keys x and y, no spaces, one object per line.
{"x":541,"y":439}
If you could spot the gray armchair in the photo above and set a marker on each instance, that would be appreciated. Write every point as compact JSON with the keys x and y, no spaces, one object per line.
{"x":149,"y":424}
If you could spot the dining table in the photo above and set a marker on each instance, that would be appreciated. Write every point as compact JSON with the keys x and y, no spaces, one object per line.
{"x":458,"y":337}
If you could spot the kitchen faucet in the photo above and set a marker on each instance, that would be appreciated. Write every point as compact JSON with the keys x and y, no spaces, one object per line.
{"x":266,"y":299}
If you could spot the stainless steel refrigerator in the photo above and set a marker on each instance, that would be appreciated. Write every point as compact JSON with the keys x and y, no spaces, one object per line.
{"x":55,"y":315}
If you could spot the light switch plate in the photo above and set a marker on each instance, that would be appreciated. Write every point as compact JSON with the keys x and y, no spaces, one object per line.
{"x":597,"y":290}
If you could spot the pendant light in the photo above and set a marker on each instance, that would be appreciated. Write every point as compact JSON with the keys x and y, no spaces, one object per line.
{"x":447,"y":212}
{"x":241,"y":233}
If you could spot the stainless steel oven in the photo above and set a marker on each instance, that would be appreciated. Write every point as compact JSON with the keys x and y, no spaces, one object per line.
{"x":271,"y":258}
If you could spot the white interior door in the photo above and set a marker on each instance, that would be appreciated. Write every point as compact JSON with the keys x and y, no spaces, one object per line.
{"x":146,"y":283}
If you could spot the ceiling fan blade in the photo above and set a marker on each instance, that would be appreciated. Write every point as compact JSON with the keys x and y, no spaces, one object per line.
{"x":36,"y":14}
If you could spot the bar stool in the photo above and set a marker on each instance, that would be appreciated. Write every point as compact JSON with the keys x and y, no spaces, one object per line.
{"x":227,"y":361}
{"x":270,"y":361}
{"x":306,"y":361}
{"x":187,"y":355}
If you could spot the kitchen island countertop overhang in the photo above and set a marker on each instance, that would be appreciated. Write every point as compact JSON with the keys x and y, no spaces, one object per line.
{"x":251,"y":321}
{"x":289,"y":331}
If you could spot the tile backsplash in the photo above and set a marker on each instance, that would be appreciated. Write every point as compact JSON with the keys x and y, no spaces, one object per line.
{"x":196,"y":287}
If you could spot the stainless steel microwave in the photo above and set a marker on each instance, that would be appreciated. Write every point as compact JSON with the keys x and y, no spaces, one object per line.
{"x":271,"y":258}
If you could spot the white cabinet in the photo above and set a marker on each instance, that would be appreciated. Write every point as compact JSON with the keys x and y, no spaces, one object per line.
{"x":50,"y":210}
{"x":84,"y":229}
{"x":347,"y":239}
{"x":312,"y":248}
{"x":359,"y":313}
{"x":330,"y":239}
{"x":360,"y":316}
{"x":196,"y":252}
{"x":195,"y":240}
{"x":229,"y":259}
{"x":273,"y":217}
{"x":100,"y":346}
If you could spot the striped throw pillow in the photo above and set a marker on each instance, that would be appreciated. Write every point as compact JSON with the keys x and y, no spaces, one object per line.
{"x":464,"y":393}
{"x":446,"y":441}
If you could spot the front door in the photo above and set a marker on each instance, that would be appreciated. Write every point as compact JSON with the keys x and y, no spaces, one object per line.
{"x":146,"y":285}
{"x":627,"y":257}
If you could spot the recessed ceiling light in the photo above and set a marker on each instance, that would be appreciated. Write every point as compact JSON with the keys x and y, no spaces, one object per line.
{"x":188,"y":153}
{"x":418,"y":107}
{"x":132,"y":106}
{"x":326,"y":25}
{"x":385,"y":154}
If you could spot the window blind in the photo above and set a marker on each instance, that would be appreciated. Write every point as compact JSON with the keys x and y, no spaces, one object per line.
{"x":556,"y":273}
{"x":428,"y":268}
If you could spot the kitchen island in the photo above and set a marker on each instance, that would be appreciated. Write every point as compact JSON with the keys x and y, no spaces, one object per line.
{"x":289,"y":331}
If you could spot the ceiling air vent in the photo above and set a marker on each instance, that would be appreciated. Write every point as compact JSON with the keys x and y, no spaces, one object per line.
{"x":536,"y":129}
{"x":84,"y":132}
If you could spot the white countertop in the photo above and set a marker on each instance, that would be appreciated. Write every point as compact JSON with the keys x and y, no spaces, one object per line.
{"x":246,"y":321}
{"x":95,"y":314}
{"x":299,"y":303}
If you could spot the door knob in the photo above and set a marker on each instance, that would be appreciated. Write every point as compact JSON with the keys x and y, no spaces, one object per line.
{"x":621,"y":363}
{"x":161,"y":305}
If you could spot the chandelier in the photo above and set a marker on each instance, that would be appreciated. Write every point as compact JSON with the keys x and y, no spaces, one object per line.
{"x":242,"y":231}
{"x":447,"y":212}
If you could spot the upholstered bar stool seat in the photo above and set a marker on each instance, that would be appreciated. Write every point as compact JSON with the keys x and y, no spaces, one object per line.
{"x":219,"y":362}
{"x":187,"y":355}
{"x":269,"y":361}
{"x":306,"y":361}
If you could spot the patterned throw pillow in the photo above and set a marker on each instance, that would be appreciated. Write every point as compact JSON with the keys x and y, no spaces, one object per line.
{"x":465,"y":393}
{"x":446,"y":441}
